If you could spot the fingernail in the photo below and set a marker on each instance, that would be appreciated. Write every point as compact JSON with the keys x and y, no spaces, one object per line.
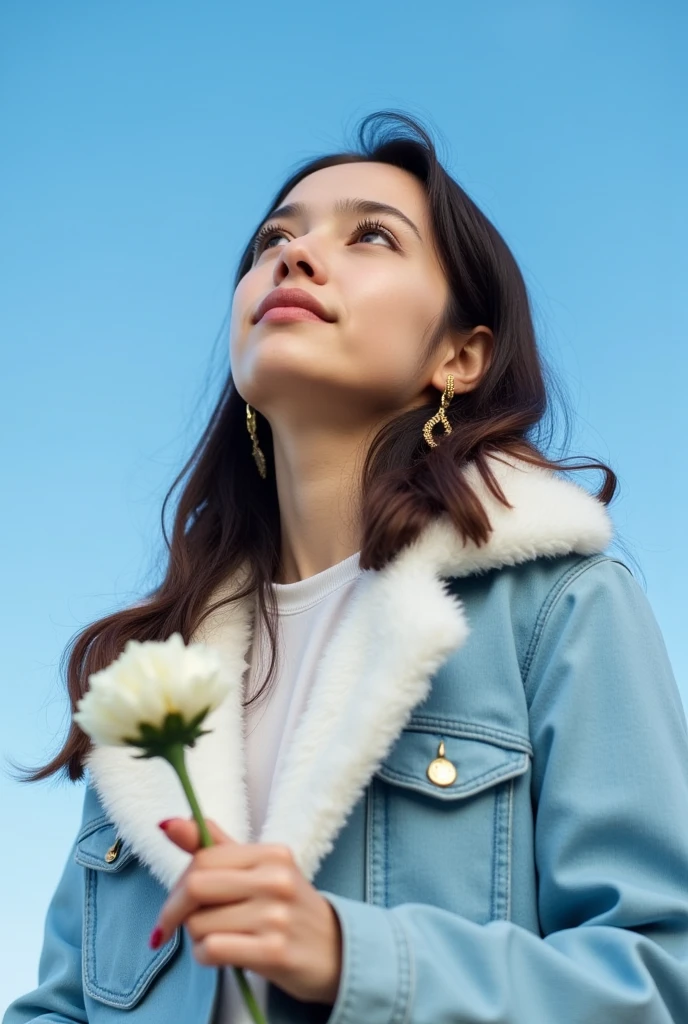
{"x":164,"y":825}
{"x":155,"y":937}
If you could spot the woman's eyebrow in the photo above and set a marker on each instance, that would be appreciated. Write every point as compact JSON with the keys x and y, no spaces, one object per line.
{"x":346,"y":206}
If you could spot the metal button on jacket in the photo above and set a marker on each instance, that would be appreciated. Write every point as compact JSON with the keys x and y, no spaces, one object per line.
{"x":441,"y":771}
{"x":113,"y":852}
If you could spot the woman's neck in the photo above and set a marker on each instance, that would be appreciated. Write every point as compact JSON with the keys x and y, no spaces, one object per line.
{"x":318,"y":488}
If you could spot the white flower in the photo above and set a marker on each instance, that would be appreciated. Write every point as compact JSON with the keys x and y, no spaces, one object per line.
{"x":155,"y":695}
{"x":148,"y":682}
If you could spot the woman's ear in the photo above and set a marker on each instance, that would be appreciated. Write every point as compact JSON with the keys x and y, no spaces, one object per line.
{"x":469,"y":359}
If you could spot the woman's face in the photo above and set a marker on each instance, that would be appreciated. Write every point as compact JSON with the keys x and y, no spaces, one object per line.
{"x":382,"y":285}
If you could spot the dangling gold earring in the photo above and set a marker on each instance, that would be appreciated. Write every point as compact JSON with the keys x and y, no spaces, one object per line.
{"x":440,"y":417}
{"x":257,"y":453}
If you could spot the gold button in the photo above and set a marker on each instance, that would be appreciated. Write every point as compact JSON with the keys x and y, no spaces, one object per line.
{"x":441,"y":771}
{"x":113,"y":852}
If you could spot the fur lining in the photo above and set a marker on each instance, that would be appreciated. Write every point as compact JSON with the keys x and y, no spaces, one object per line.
{"x":400,"y":626}
{"x":551,"y":516}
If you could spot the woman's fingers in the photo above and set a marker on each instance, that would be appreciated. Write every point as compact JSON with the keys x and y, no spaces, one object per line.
{"x":198,"y":888}
{"x":223,"y":874}
{"x":251,"y":917}
{"x":258,"y":953}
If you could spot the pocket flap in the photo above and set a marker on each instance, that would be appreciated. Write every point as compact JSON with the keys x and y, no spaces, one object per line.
{"x":97,"y":847}
{"x":479,"y":763}
{"x":119,"y":911}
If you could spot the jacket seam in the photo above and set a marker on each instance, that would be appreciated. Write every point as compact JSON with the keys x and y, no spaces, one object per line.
{"x":465,"y":729}
{"x":91,"y":826}
{"x":385,"y":828}
{"x":403,"y":1002}
{"x":500,"y":898}
{"x":510,"y":841}
{"x":347,"y":1006}
{"x":507,"y":770}
{"x":496,"y":867}
{"x":546,"y":608}
{"x":111,"y":997}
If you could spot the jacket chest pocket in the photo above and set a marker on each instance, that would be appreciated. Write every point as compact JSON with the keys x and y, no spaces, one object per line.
{"x":441,"y":833}
{"x":121,"y":905}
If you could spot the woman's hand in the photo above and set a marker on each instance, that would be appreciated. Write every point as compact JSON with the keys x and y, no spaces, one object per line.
{"x":249,"y":905}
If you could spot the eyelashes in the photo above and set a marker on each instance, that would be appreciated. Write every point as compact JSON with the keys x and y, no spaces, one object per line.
{"x":270,"y":230}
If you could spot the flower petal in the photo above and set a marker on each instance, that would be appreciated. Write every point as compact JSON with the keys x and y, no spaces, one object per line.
{"x":148,"y":681}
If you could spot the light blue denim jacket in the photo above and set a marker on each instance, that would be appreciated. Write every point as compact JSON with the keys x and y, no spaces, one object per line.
{"x":548,"y":884}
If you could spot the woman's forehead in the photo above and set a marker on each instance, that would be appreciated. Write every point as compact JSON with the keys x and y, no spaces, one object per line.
{"x":341,"y":189}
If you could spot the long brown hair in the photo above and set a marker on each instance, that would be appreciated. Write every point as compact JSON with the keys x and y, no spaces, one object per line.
{"x":228,"y":516}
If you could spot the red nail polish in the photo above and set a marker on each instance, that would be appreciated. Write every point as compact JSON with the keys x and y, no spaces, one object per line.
{"x":155,"y":938}
{"x":164,"y":825}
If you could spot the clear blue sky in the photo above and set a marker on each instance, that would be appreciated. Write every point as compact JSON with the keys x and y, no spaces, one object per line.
{"x":140,"y":145}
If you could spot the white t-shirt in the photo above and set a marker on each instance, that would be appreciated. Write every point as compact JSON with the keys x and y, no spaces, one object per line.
{"x":307,"y":613}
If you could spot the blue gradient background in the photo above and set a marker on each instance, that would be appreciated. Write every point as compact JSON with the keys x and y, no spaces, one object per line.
{"x":141,"y":144}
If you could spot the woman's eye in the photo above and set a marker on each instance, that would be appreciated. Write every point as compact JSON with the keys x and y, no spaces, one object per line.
{"x":270,"y":233}
{"x":372,"y":231}
{"x":271,"y":238}
{"x":375,"y":227}
{"x":262,"y":242}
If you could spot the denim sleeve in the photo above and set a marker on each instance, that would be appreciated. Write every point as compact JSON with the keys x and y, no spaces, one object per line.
{"x":58,"y":997}
{"x":610,"y":795}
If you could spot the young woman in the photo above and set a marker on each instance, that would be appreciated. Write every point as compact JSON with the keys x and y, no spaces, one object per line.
{"x":450,"y":781}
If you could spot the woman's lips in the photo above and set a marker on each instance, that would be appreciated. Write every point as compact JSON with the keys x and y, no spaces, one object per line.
{"x":290,"y":313}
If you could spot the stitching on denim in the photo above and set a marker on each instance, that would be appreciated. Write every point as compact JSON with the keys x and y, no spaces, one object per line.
{"x":510,"y":840}
{"x":385,"y":804}
{"x":92,"y":826}
{"x":375,"y":852}
{"x":129,"y":999}
{"x":89,"y":914}
{"x":411,"y":988}
{"x":461,"y":729}
{"x":548,"y":603}
{"x":374,"y":842}
{"x":369,"y":830}
{"x":90,"y":860}
{"x":346,"y":1014}
{"x":136,"y":992}
{"x":500,"y":853}
{"x":495,"y":859}
{"x":503,"y":771}
{"x":402,"y":1003}
{"x":119,"y":999}
{"x":397,"y":1004}
{"x":503,"y":849}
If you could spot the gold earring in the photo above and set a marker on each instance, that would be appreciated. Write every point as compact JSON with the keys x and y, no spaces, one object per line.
{"x":257,"y":453}
{"x":440,"y":416}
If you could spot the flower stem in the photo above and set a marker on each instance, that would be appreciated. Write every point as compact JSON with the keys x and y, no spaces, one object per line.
{"x":175,"y":755}
{"x":249,"y":997}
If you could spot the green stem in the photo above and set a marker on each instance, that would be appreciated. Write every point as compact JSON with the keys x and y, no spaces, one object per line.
{"x":175,"y":756}
{"x":249,"y":997}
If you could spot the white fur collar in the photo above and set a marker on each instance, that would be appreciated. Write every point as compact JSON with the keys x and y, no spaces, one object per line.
{"x":400,"y":626}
